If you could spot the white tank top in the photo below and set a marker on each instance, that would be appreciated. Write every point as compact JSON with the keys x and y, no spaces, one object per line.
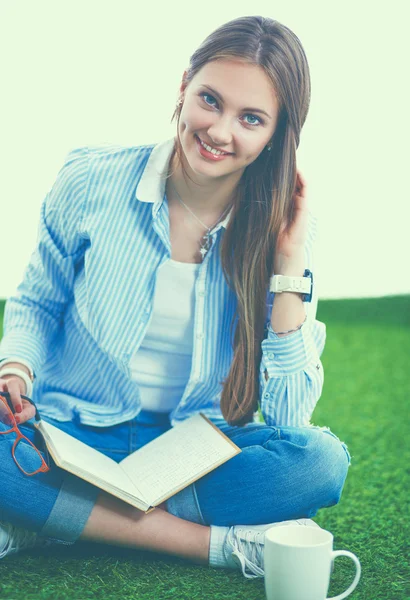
{"x":162,"y":364}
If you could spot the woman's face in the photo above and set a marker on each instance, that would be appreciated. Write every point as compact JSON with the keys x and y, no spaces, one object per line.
{"x":222,"y":106}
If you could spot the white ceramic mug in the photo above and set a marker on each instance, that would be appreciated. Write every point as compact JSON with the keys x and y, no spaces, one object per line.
{"x":298,"y":562}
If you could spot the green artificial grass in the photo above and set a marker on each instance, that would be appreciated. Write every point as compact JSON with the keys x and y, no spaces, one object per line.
{"x":365,"y":402}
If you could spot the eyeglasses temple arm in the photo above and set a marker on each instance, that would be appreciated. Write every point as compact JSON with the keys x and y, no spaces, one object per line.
{"x":7,"y":397}
{"x":37,"y":415}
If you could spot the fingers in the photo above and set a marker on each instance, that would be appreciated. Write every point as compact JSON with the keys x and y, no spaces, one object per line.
{"x":301,"y":177}
{"x":15,"y":386}
{"x":27,"y":413}
{"x":301,"y":185}
{"x":23,"y":409}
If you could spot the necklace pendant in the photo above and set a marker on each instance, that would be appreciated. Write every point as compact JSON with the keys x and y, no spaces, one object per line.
{"x":207,"y":244}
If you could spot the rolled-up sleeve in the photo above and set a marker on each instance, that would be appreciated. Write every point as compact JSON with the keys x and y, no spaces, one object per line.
{"x":33,"y":314}
{"x":291,"y":372}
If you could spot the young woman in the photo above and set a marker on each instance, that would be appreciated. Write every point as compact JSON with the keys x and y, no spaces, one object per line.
{"x":148,"y":299}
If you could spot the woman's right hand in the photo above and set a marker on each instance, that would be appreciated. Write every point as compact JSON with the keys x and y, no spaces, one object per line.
{"x":16,"y":387}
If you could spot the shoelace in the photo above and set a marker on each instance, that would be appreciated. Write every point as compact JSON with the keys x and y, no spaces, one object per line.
{"x":254,"y":541}
{"x":18,"y":538}
{"x":251,"y":541}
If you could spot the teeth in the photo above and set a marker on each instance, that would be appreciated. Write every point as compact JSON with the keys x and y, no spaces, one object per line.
{"x":210,"y":149}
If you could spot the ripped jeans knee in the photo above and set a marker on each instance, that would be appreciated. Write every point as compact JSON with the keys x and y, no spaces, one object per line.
{"x":329,"y":432}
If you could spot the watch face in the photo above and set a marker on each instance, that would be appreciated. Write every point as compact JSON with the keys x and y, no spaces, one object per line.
{"x":308,"y":297}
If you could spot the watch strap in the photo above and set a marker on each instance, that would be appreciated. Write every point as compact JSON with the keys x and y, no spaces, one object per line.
{"x":287,"y":283}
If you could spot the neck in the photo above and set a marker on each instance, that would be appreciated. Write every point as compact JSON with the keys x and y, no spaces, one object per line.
{"x":206,"y":197}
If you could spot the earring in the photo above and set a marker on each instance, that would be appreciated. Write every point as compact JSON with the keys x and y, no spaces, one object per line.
{"x":269,"y":147}
{"x":179,"y":102}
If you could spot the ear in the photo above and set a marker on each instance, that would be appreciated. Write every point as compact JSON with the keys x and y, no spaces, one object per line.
{"x":184,"y":83}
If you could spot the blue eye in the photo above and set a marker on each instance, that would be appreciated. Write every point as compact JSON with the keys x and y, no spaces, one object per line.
{"x":203,"y":94}
{"x":259,"y":120}
{"x":253,"y":117}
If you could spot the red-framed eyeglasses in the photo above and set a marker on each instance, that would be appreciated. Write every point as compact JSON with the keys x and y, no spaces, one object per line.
{"x":25,"y":454}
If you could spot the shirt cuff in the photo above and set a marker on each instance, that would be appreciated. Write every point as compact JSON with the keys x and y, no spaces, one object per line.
{"x":288,"y":354}
{"x":19,"y":342}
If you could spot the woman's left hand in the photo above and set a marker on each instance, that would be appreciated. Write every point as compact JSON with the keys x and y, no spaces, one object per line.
{"x":291,"y":240}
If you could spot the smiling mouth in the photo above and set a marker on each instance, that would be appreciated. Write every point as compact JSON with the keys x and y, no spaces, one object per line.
{"x":212,"y":150}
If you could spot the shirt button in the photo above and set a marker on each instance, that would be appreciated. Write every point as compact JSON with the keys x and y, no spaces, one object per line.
{"x":271,"y":355}
{"x":200,"y":335}
{"x":201,"y":293}
{"x":266,"y":395}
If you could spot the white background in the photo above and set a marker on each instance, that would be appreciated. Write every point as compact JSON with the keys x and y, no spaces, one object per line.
{"x":90,"y":72}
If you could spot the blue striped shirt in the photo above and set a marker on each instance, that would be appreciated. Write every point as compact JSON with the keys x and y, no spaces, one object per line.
{"x":85,"y":301}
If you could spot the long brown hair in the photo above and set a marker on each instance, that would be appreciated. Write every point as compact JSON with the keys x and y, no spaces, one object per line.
{"x":263,"y":201}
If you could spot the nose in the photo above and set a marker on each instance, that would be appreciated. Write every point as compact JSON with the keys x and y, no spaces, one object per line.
{"x":219,"y":133}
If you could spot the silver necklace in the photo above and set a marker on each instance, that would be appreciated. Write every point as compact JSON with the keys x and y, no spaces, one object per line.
{"x":205,"y":241}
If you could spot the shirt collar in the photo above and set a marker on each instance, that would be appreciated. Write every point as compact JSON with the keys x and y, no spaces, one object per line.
{"x":151,"y":186}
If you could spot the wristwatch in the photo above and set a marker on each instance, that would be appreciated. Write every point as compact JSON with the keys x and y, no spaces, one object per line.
{"x":286,"y":283}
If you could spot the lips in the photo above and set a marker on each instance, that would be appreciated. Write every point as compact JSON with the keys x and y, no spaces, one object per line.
{"x":226,"y":153}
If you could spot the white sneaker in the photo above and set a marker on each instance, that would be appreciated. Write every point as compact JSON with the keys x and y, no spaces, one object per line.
{"x":13,"y":539}
{"x":245,"y":545}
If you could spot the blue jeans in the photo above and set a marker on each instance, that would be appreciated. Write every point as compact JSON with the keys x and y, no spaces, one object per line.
{"x":282,"y":473}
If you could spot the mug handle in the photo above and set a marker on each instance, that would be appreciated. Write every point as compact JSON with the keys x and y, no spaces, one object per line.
{"x":357,"y":576}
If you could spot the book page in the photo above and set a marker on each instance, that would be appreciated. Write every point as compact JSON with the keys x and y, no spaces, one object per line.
{"x":85,"y":460}
{"x":178,"y":456}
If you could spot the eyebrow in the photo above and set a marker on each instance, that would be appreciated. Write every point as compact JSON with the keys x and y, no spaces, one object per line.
{"x":259,"y":110}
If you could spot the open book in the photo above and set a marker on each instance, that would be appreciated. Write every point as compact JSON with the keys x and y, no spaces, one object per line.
{"x":155,"y":472}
